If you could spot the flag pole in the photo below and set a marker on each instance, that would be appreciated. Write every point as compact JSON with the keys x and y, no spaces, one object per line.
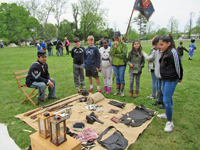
{"x":129,"y":22}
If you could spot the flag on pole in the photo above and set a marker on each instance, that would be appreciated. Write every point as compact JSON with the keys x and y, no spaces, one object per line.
{"x":145,"y":7}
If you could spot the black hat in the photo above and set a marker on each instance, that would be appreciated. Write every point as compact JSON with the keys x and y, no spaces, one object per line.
{"x":41,"y":53}
{"x":117,"y":34}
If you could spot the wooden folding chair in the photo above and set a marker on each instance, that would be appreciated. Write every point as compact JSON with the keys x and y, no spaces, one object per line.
{"x":18,"y":75}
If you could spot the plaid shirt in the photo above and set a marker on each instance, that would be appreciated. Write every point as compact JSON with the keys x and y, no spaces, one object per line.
{"x":87,"y":135}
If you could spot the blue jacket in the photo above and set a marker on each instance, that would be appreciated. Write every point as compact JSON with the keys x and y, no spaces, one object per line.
{"x":192,"y":47}
{"x":38,"y":47}
{"x":91,"y":57}
{"x":43,"y":45}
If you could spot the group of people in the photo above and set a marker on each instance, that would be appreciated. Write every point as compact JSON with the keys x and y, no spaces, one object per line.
{"x":164,"y":64}
{"x":59,"y":46}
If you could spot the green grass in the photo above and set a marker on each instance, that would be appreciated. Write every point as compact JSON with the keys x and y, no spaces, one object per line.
{"x":186,"y":134}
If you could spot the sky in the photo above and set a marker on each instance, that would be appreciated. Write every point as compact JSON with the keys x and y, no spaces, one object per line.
{"x":119,"y":12}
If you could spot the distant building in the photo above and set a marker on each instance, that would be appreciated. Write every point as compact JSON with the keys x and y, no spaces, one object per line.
{"x":185,"y":36}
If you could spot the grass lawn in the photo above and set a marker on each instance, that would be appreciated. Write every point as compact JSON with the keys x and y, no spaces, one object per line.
{"x":186,"y":112}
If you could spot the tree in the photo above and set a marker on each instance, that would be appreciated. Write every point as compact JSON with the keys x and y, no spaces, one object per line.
{"x":60,"y":9}
{"x":45,"y":10}
{"x":66,"y":30}
{"x":173,"y":25}
{"x":162,"y":32}
{"x":188,"y":26}
{"x":149,"y":27}
{"x":92,"y":17}
{"x":133,"y":35}
{"x":50,"y":31}
{"x":142,"y":24}
{"x":75,"y":12}
{"x":13,"y":22}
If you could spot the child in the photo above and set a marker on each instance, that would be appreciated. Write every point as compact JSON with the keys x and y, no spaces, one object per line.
{"x":171,"y":72}
{"x":192,"y":47}
{"x":180,"y":49}
{"x":106,"y":66}
{"x":43,"y":45}
{"x":151,"y":66}
{"x":38,"y":46}
{"x":78,"y":68}
{"x":92,"y":63}
{"x":158,"y":54}
{"x":136,"y":62}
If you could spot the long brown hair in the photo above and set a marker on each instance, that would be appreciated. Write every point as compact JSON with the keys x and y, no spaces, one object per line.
{"x":133,"y":51}
{"x":166,"y":39}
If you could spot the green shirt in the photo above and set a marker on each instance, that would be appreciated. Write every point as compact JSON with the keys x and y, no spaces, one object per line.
{"x":119,"y":59}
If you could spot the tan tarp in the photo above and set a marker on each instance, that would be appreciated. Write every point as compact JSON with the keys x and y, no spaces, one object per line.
{"x":79,"y":113}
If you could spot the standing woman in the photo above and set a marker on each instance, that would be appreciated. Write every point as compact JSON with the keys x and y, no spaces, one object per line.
{"x":171,"y":72}
{"x":67,"y":45}
{"x":119,"y":52}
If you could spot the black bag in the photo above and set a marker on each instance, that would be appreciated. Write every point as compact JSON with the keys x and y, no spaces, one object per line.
{"x":114,"y":142}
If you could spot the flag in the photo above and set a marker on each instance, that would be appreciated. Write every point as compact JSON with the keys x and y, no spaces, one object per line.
{"x":145,"y":7}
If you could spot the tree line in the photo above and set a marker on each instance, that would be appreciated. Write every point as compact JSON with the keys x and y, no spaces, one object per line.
{"x":24,"y":19}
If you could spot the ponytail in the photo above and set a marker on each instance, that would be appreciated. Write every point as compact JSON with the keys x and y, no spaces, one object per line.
{"x":167,"y":39}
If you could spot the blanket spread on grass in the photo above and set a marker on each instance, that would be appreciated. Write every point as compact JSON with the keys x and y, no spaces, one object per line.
{"x":130,"y":133}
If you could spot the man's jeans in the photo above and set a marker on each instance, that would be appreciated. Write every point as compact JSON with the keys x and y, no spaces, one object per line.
{"x":169,"y":88}
{"x":59,"y":51}
{"x":49,"y":52}
{"x":41,"y":86}
{"x":119,"y":72}
{"x":154,"y":83}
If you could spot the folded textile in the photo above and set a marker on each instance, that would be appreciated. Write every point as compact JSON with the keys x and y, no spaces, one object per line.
{"x":87,"y":135}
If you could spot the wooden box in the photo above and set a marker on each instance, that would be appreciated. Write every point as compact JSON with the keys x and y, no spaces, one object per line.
{"x":39,"y":143}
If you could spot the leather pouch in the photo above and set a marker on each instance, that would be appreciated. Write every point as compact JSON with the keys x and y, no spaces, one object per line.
{"x":116,"y":141}
{"x":114,"y":119}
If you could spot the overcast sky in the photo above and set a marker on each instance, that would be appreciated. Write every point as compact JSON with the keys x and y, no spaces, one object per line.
{"x":119,"y":12}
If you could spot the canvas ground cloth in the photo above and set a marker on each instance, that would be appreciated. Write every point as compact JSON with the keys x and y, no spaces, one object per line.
{"x":130,"y":133}
{"x":6,"y":143}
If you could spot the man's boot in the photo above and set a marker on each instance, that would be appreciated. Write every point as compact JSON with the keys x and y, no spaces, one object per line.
{"x":131,"y":94}
{"x":118,"y":88}
{"x":39,"y":102}
{"x":136,"y":94}
{"x":122,"y":89}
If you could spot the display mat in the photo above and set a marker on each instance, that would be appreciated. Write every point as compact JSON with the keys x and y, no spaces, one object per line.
{"x":130,"y":133}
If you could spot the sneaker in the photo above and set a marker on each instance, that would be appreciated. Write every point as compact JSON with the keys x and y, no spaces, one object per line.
{"x":99,"y":90}
{"x":83,"y":87}
{"x":90,"y":90}
{"x":162,"y":107}
{"x":162,"y":116}
{"x":151,"y":96}
{"x":169,"y":126}
{"x":156,"y":103}
{"x":109,"y":90}
{"x":77,"y":88}
{"x":105,"y":89}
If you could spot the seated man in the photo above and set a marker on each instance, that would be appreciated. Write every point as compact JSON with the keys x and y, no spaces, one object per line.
{"x":38,"y":77}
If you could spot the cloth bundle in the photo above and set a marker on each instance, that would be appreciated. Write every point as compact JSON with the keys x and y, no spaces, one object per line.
{"x":137,"y":116}
{"x":95,"y":98}
{"x":117,"y":104}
